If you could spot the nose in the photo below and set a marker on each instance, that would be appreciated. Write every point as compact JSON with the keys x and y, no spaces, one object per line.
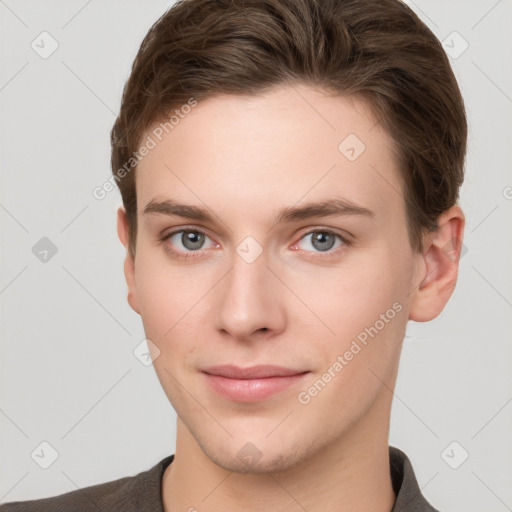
{"x":250,"y":301}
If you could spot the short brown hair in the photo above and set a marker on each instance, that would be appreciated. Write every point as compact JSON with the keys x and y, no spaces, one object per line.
{"x":376,"y":49}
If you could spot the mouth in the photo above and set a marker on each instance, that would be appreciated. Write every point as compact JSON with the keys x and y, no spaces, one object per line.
{"x":253,"y":384}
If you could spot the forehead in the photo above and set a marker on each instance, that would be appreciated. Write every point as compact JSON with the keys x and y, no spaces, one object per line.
{"x":291,"y":144}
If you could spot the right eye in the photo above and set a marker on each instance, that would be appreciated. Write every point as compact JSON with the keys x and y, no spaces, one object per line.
{"x":187,"y":241}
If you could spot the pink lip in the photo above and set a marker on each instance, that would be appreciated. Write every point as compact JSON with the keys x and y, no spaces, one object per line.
{"x":252,"y":384}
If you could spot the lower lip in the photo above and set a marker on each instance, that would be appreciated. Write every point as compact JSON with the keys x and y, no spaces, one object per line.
{"x":251,"y":390}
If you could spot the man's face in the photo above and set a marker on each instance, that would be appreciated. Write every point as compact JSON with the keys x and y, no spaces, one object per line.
{"x":324,"y":297}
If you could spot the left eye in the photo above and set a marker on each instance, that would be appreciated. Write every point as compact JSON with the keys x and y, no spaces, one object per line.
{"x":322,"y":241}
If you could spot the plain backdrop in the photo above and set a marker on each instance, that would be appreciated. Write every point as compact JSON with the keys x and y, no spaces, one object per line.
{"x":69,"y":375}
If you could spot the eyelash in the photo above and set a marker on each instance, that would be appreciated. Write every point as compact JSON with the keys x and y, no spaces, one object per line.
{"x":191,"y":254}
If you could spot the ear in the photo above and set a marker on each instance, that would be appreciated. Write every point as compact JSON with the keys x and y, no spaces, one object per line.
{"x":123,"y":232}
{"x":439,"y":266}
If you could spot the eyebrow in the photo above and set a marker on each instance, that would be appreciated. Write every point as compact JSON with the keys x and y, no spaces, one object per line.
{"x":327,"y":208}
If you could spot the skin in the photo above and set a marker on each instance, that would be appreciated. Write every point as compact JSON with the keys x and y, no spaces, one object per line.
{"x":295,"y":305}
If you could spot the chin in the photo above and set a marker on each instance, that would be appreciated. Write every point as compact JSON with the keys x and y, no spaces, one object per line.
{"x":256,"y":459}
{"x":281,"y":462}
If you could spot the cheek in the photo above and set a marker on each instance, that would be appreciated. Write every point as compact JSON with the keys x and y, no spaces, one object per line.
{"x":172,"y":298}
{"x":166,"y":292}
{"x":353,"y":296}
{"x":365,"y":307}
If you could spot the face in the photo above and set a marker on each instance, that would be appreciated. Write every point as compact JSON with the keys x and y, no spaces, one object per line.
{"x":276,"y":297}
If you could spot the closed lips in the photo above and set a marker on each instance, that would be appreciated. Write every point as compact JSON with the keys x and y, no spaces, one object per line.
{"x":253,"y":372}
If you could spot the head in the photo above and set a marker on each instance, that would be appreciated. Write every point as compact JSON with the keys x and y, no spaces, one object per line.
{"x":243,"y":122}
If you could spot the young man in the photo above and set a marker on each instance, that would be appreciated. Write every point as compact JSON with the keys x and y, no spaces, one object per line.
{"x":290,"y":173}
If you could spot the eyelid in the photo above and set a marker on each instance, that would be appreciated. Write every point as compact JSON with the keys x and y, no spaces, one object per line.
{"x":173,"y":231}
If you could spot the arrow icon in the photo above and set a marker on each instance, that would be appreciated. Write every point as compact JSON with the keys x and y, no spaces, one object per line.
{"x":455,"y":45}
{"x":44,"y":250}
{"x":249,"y":454}
{"x":44,"y":45}
{"x":249,"y":249}
{"x":351,"y":147}
{"x":454,"y":455}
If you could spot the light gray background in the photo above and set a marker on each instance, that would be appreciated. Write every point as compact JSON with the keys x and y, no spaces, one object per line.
{"x":68,"y":373}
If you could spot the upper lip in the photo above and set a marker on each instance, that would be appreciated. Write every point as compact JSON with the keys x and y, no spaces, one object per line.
{"x":253,"y":372}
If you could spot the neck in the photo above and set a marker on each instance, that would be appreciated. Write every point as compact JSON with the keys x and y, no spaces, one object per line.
{"x":352,"y":473}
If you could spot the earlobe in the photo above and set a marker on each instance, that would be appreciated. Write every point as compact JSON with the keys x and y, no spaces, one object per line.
{"x":439,"y":267}
{"x":123,"y":232}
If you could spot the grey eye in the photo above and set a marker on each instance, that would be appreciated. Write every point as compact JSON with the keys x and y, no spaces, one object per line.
{"x":188,"y":239}
{"x":321,"y":241}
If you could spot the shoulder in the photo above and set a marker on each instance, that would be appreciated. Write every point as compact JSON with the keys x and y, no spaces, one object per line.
{"x":141,"y":492}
